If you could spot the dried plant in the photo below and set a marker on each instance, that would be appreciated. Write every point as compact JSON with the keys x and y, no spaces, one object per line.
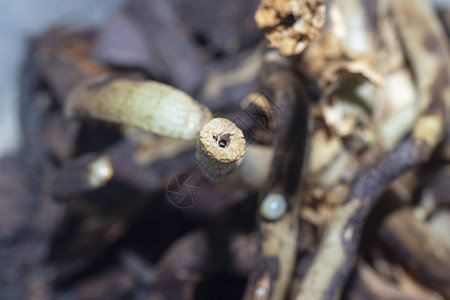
{"x":323,"y":174}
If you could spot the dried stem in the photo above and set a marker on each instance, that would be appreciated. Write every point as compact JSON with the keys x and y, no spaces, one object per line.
{"x":148,"y":105}
{"x":220,"y":147}
{"x":277,"y":240}
{"x":72,"y":180}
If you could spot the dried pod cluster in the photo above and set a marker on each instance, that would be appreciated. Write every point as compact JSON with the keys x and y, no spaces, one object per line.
{"x":291,"y":24}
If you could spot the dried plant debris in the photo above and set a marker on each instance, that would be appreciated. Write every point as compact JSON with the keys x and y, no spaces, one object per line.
{"x":304,"y":202}
{"x":290,"y":25}
{"x":344,"y":229}
{"x":278,"y":221}
{"x":327,"y":63}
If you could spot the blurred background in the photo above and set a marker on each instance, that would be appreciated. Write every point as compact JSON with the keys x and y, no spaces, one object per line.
{"x":19,"y":21}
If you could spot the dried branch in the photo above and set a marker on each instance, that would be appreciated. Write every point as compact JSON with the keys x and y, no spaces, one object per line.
{"x":277,"y":239}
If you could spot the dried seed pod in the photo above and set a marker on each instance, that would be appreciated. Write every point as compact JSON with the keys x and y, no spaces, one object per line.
{"x":148,"y":105}
{"x":221,"y":145}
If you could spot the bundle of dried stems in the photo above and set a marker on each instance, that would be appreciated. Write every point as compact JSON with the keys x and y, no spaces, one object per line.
{"x":320,"y":155}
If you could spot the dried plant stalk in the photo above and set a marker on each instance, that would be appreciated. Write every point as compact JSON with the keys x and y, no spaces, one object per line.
{"x":221,"y":145}
{"x":277,"y":239}
{"x":148,"y":105}
{"x":291,"y":24}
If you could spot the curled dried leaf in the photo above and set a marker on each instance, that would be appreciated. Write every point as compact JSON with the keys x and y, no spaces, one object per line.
{"x":291,"y":24}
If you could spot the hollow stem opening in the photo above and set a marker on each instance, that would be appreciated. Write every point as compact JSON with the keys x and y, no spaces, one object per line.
{"x":223,"y":140}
